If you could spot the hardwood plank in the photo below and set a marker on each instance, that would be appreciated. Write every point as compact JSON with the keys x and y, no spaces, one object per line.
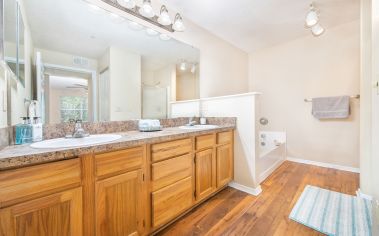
{"x":234,"y":213}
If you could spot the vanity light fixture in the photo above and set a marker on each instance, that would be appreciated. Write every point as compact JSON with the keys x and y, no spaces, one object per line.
{"x":193,"y":68}
{"x":164,"y":37}
{"x":130,"y":4}
{"x":147,"y":10}
{"x":164,"y":18}
{"x":144,"y":12}
{"x":178,"y":23}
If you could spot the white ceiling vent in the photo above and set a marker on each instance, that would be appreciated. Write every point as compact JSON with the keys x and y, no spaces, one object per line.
{"x":80,"y":61}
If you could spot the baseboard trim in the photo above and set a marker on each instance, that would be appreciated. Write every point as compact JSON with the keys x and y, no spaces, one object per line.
{"x":322,"y":164}
{"x":270,"y":170}
{"x":253,"y":191}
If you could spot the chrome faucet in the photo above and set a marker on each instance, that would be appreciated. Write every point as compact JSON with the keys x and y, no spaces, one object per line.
{"x":191,"y":121}
{"x":78,"y":130}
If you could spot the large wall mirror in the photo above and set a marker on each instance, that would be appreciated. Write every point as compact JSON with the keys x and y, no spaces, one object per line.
{"x":88,"y":64}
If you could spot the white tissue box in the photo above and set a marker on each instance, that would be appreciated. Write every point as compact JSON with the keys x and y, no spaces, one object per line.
{"x":149,"y":125}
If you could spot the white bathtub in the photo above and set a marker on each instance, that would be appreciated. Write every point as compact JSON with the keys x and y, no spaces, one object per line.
{"x":272,"y":153}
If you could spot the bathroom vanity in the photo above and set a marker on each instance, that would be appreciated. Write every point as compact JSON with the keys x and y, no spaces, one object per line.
{"x":133,"y":186}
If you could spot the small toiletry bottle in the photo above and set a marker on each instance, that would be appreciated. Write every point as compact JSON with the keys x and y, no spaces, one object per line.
{"x":23,"y":132}
{"x":36,"y":129}
{"x":203,"y":120}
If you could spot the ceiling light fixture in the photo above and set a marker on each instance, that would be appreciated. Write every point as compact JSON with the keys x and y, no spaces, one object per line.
{"x":147,"y":10}
{"x":312,"y":17}
{"x":317,"y":30}
{"x":312,"y":21}
{"x":183,"y":66}
{"x":178,"y":23}
{"x":164,"y":18}
{"x":130,"y":4}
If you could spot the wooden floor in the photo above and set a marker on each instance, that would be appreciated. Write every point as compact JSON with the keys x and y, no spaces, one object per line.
{"x":232,"y":212}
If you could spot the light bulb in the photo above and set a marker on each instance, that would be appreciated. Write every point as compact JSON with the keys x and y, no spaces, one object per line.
{"x":164,"y":18}
{"x":178,"y":23}
{"x":164,"y":37}
{"x":135,"y":26}
{"x":311,"y":19}
{"x":147,"y":10}
{"x":183,"y":66}
{"x":317,"y":30}
{"x":193,"y":69}
{"x":130,"y":4}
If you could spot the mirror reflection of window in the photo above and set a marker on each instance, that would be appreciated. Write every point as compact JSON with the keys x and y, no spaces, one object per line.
{"x":74,"y":108}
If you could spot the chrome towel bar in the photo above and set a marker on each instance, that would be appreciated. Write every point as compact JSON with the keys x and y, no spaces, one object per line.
{"x":355,"y":96}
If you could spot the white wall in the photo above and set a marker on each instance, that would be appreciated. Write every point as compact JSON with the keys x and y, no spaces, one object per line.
{"x":369,"y":161}
{"x":220,"y":62}
{"x":125,"y":84}
{"x":305,"y":68}
{"x":3,"y":97}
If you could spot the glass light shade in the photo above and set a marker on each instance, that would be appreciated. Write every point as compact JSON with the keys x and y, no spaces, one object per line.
{"x":193,"y":69}
{"x":130,"y":4}
{"x":135,"y":26}
{"x":116,"y":18}
{"x":183,"y":66}
{"x":164,"y":37}
{"x":151,"y":32}
{"x":164,"y":18}
{"x":317,"y":30}
{"x":311,"y":19}
{"x":178,"y":24}
{"x":146,"y":9}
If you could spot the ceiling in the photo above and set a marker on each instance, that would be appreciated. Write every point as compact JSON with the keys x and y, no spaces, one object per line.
{"x":255,"y":24}
{"x":57,"y":82}
{"x":69,"y":26}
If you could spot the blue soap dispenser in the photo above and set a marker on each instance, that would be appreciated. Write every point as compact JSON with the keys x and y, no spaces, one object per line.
{"x":24,"y":132}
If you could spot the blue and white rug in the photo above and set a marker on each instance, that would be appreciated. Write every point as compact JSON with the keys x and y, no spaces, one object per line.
{"x":333,"y":213}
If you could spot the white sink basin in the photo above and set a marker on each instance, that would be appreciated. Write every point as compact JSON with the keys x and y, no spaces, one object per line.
{"x":76,"y":142}
{"x":198,"y":127}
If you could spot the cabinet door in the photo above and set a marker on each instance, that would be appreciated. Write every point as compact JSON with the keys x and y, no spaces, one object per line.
{"x":119,"y":202}
{"x":55,"y":215}
{"x":205,"y":173}
{"x":224,"y":164}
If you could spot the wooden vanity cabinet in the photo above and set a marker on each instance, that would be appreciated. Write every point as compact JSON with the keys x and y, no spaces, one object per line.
{"x":135,"y":191}
{"x":42,"y":200}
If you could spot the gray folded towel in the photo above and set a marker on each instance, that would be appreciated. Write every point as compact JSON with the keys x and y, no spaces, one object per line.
{"x":331,"y":107}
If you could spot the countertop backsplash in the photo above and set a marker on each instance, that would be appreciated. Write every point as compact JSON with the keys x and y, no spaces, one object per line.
{"x":51,"y":131}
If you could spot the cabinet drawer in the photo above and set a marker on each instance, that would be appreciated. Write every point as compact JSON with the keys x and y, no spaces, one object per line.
{"x":120,"y":161}
{"x":163,"y":151}
{"x":225,"y":137}
{"x":205,"y":141}
{"x":171,"y":201}
{"x":35,"y":181}
{"x":168,"y":172}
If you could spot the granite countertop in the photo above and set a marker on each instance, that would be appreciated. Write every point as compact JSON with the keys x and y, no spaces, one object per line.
{"x":23,"y":155}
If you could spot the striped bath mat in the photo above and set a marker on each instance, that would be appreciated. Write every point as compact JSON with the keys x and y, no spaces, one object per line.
{"x":333,"y":213}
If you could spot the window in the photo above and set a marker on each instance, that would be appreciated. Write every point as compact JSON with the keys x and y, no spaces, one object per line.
{"x":74,"y":107}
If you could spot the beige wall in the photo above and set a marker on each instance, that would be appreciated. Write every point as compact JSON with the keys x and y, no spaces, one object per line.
{"x":305,"y":68}
{"x":186,"y":86}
